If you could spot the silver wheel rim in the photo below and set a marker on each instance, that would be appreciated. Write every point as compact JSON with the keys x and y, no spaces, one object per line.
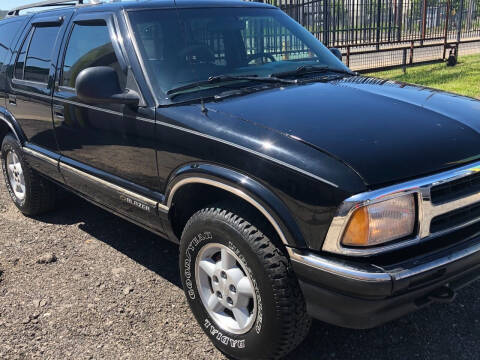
{"x":225,"y":288}
{"x":15,"y":175}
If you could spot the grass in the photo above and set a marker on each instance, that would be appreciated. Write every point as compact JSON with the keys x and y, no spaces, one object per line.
{"x":464,"y":78}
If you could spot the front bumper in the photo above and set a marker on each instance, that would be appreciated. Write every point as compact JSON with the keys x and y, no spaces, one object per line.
{"x":363,"y":295}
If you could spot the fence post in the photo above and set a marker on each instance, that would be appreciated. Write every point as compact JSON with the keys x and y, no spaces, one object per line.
{"x":379,"y":17}
{"x":460,"y":21}
{"x":326,"y":24}
{"x":404,"y":61}
{"x":400,"y":19}
{"x":445,"y":43}
{"x":412,"y":46}
{"x":424,"y":21}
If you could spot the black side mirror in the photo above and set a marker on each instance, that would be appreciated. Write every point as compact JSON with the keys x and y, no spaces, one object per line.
{"x":337,"y":53}
{"x":100,"y":85}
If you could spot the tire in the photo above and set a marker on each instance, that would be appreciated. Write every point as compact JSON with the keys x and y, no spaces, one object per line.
{"x":280,"y":322}
{"x":38,"y":195}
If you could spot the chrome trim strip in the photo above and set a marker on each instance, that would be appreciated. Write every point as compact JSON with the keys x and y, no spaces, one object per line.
{"x":337,"y":268}
{"x":280,"y":162}
{"x":236,"y":191}
{"x":456,"y":256}
{"x":39,"y":155}
{"x":427,"y":211}
{"x":62,"y":166}
{"x":108,"y":111}
{"x":267,"y":157}
{"x":345,"y":271}
{"x":109,"y":185}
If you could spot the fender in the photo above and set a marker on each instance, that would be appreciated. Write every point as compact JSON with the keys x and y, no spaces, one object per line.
{"x":245,"y":187}
{"x":9,"y":120}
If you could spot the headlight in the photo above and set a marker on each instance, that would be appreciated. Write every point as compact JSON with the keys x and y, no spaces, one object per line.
{"x":381,"y":222}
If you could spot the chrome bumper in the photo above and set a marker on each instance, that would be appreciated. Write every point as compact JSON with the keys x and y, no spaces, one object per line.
{"x":368,"y":280}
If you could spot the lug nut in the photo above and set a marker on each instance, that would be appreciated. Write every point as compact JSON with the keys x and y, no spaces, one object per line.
{"x":229,"y":300}
{"x":233,"y":289}
{"x":215,"y":278}
{"x":219,"y":294}
{"x":223,"y":274}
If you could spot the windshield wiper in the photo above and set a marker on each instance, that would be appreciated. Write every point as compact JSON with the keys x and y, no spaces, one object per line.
{"x":227,"y":78}
{"x":310,"y":69}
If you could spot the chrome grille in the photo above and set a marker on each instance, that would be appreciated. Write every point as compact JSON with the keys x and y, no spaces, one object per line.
{"x":456,"y":189}
{"x":455,"y":218}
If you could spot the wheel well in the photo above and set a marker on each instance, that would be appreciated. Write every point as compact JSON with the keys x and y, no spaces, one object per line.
{"x":4,"y":130}
{"x":191,"y":198}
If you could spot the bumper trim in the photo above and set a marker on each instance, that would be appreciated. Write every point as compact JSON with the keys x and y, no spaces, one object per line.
{"x":347,"y":271}
{"x":437,"y":263}
{"x":338,"y":268}
{"x":359,"y":295}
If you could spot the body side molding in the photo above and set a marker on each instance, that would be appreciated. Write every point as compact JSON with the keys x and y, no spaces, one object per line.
{"x":244,"y":187}
{"x":58,"y":161}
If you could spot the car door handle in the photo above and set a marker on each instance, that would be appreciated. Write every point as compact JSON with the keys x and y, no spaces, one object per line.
{"x":58,"y":111}
{"x":12,"y":100}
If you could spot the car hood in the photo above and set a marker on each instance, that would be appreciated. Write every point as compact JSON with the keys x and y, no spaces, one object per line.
{"x":386,"y":131}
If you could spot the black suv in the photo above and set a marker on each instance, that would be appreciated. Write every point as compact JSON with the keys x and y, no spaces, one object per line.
{"x":294,"y":186}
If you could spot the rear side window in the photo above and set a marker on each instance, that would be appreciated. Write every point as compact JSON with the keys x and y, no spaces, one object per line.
{"x":20,"y":64}
{"x":34,"y":60}
{"x":7,"y":33}
{"x":89,"y":46}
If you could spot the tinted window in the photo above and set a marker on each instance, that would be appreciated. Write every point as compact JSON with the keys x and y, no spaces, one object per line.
{"x":21,"y":57}
{"x":89,"y":46}
{"x":39,"y":54}
{"x":7,"y":33}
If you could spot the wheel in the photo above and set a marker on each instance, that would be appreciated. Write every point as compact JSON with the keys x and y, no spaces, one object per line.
{"x":240,"y":286}
{"x":31,"y":193}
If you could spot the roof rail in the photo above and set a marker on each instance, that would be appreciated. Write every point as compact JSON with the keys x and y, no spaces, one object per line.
{"x":16,"y":11}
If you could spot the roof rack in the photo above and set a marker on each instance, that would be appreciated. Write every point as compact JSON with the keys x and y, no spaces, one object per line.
{"x":16,"y":11}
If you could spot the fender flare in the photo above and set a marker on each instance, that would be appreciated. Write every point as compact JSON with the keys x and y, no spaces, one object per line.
{"x":244,"y":187}
{"x":8,"y":119}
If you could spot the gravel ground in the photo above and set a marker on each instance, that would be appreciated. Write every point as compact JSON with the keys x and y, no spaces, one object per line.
{"x":80,"y":283}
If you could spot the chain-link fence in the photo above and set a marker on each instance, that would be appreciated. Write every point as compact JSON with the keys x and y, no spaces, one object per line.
{"x":375,"y":34}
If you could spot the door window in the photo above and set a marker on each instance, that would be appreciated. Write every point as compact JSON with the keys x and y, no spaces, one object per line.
{"x":20,"y":64}
{"x":33,"y":63}
{"x":7,"y":34}
{"x":89,"y":46}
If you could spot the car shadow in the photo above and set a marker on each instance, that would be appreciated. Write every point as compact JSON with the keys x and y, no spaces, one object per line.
{"x":149,"y":250}
{"x":441,"y":331}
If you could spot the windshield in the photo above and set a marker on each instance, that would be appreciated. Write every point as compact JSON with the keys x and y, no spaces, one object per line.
{"x":180,"y":47}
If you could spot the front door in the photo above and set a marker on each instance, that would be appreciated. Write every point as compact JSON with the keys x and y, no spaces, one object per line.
{"x":107,"y":150}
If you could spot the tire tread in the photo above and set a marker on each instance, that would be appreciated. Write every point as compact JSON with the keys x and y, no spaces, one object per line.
{"x":291,"y":308}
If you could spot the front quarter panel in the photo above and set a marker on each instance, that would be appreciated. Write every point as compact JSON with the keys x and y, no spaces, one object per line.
{"x":309,"y":183}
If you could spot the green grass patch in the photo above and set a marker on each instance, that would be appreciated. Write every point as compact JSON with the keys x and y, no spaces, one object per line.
{"x":464,"y":78}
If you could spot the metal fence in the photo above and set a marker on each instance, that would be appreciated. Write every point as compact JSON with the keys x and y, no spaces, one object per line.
{"x":375,"y":34}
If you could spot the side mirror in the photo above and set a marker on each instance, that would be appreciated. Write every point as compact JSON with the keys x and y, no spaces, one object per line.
{"x":100,"y":85}
{"x":337,"y":53}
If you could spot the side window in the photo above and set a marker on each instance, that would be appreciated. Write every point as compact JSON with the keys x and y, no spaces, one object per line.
{"x":39,"y":54}
{"x":20,"y":64}
{"x":7,"y":33}
{"x":33,"y":62}
{"x":89,"y":46}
